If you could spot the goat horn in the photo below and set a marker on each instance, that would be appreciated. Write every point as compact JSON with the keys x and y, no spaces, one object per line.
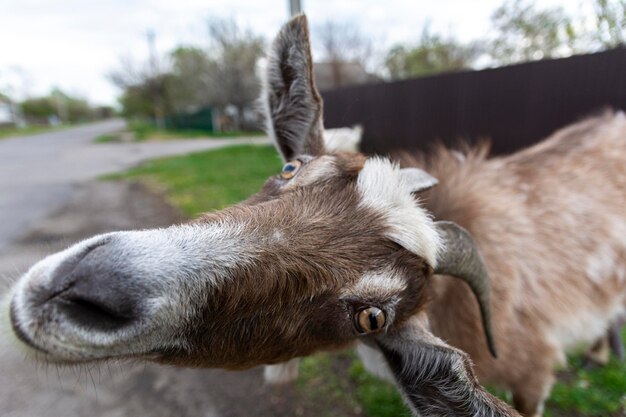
{"x":461,"y":259}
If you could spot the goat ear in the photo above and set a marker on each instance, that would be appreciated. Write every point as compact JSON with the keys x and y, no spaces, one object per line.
{"x":293,"y":104}
{"x":435,"y":378}
{"x":417,"y":180}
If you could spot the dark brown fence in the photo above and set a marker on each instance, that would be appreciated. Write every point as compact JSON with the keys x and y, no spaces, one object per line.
{"x":514,"y":106}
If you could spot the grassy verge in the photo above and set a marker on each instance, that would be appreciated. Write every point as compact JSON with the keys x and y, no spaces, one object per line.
{"x":142,"y":131}
{"x":337,"y":384}
{"x":582,"y":391}
{"x":209,"y":180}
{"x":28,"y":130}
{"x":108,"y":138}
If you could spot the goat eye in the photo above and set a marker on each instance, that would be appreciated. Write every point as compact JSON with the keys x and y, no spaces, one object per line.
{"x":369,"y":320}
{"x":290,"y":169}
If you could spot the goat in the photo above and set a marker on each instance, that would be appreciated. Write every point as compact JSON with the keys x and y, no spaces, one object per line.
{"x":524,"y":253}
{"x":600,"y":352}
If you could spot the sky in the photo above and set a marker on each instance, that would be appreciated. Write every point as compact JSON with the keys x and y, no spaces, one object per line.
{"x":74,"y":44}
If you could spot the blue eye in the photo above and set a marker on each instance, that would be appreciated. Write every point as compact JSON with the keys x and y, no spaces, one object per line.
{"x":290,"y":169}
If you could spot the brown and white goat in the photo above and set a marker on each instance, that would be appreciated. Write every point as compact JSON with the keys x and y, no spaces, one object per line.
{"x":341,"y":248}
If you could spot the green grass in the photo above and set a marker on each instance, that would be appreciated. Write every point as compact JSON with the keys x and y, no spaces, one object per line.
{"x":106,"y":138}
{"x":215,"y":179}
{"x":590,"y":392}
{"x":209,"y":180}
{"x":323,"y":384}
{"x":595,"y":392}
{"x":378,"y":398}
{"x":340,"y":382}
{"x":143,"y":131}
{"x":6,"y":132}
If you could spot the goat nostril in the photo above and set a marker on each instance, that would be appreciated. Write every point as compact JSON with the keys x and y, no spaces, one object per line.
{"x":94,"y":314}
{"x":63,"y":277}
{"x":89,"y":290}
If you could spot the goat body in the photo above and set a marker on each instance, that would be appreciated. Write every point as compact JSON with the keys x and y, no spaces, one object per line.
{"x":551,"y":225}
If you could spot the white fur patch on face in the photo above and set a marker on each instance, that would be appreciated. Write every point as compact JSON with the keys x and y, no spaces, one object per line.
{"x":385,"y":190}
{"x":384,"y":286}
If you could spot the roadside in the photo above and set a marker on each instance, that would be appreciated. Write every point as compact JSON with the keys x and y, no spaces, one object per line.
{"x":139,"y":131}
{"x":15,"y":132}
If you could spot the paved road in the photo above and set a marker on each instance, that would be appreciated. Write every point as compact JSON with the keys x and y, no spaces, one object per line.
{"x":37,"y":172}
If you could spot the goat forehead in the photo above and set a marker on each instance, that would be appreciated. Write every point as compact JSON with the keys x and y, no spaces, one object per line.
{"x":383,"y":189}
{"x":379,"y":188}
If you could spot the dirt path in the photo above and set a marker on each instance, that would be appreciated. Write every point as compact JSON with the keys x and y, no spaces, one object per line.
{"x":118,"y":390}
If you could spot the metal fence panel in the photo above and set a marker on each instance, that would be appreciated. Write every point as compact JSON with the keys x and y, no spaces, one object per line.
{"x":513,"y":106}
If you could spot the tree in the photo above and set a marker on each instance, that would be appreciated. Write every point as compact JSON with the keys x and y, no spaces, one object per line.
{"x":220,"y":75}
{"x":136,"y":101}
{"x":434,"y":53}
{"x":57,"y":104}
{"x":341,"y":44}
{"x":231,"y":69}
{"x":39,"y":109}
{"x":523,"y":33}
{"x":71,"y":109}
{"x":145,"y":89}
{"x":191,"y":79}
{"x":610,"y":21}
